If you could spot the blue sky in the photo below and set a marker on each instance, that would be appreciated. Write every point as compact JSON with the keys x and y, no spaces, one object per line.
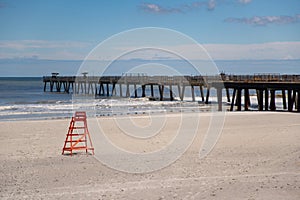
{"x":228,"y":29}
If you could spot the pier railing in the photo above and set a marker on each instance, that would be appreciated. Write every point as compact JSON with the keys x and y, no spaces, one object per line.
{"x":190,"y":80}
{"x":262,"y":78}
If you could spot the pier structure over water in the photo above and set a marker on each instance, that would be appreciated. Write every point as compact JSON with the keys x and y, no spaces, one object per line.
{"x":265,"y":85}
{"x":108,"y":85}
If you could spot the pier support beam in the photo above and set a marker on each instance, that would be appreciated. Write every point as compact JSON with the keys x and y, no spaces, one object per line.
{"x":207,"y":95}
{"x":90,"y":88}
{"x":260,"y":98}
{"x":135,"y":90}
{"x":294,"y":96}
{"x":227,"y":94}
{"x":201,"y":92}
{"x":67,"y":87}
{"x":161,"y":92}
{"x":113,"y":90}
{"x":152,"y":90}
{"x":272,"y":100}
{"x":246,"y":99}
{"x":51,"y":86}
{"x":85,"y":90}
{"x":45,"y":86}
{"x":193,"y":93}
{"x":219,"y":96}
{"x":121,"y":90}
{"x":290,"y":101}
{"x":96,"y":89}
{"x":127,"y":90}
{"x":73,"y":89}
{"x":171,"y":93}
{"x":143,"y":90}
{"x":266,"y":99}
{"x":101,"y":90}
{"x":284,"y":99}
{"x":298,"y":101}
{"x":239,"y":99}
{"x":182,"y":93}
{"x":80,"y":85}
{"x":107,"y":89}
{"x":58,"y":86}
{"x":179,"y":90}
{"x":232,"y":101}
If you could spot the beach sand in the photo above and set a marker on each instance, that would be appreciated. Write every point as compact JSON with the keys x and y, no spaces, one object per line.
{"x":256,"y":157}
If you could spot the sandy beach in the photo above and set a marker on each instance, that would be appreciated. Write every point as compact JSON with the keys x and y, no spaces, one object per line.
{"x":256,"y":157}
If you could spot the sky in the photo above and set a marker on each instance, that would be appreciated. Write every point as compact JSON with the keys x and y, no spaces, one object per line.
{"x":227,"y":29}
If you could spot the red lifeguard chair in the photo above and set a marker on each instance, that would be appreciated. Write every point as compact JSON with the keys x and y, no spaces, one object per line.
{"x":79,"y":139}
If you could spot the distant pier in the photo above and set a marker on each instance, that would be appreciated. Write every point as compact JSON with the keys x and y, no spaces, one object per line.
{"x":265,"y":86}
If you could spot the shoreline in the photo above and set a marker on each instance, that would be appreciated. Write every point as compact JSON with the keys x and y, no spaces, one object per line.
{"x":200,"y":107}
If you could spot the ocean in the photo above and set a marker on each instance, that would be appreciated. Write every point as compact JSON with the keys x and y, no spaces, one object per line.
{"x":23,"y":98}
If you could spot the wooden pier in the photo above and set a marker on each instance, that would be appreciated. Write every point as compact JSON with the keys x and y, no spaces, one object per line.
{"x":265,"y":86}
{"x":108,"y":85}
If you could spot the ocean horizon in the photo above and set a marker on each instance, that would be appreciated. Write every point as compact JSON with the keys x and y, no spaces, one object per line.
{"x":39,"y":67}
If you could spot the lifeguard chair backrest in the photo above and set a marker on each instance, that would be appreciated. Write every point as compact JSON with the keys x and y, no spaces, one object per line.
{"x":80,"y":116}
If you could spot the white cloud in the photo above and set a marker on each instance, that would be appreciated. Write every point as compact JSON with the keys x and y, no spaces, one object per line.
{"x":68,"y":50}
{"x":183,"y":8}
{"x":211,"y":4}
{"x":155,"y":8}
{"x":288,"y":57}
{"x":265,"y":20}
{"x":244,"y":1}
{"x":44,"y":49}
{"x":39,"y":44}
{"x":262,"y":51}
{"x":186,"y":7}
